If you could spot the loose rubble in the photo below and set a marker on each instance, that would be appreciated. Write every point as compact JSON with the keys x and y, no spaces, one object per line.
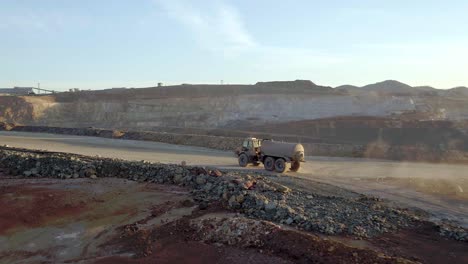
{"x":234,"y":231}
{"x":453,"y":231}
{"x":254,"y":195}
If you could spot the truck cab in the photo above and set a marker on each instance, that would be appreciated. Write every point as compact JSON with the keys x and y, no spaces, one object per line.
{"x":251,"y":144}
{"x":249,"y":152}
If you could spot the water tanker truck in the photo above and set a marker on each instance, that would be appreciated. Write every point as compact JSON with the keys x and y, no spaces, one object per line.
{"x":274,"y":155}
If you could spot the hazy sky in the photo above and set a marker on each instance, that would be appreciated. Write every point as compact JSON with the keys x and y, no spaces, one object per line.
{"x":95,"y":44}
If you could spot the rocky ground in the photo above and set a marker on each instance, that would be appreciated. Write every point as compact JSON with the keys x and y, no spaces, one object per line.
{"x":262,"y":206}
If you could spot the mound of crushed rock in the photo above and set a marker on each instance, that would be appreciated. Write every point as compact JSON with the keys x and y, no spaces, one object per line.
{"x":252,"y":194}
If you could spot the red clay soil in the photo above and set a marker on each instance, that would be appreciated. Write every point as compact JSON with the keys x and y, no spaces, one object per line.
{"x":177,"y":242}
{"x":305,"y":248}
{"x":161,"y":209}
{"x":423,"y":244}
{"x":193,"y":252}
{"x":26,"y":206}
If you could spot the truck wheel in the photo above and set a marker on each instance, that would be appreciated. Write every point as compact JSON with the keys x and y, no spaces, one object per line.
{"x":280,"y":165}
{"x":243,"y":160}
{"x":295,"y":165}
{"x":269,"y":163}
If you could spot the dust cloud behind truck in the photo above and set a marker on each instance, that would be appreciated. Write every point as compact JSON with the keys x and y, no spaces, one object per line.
{"x":274,"y":155}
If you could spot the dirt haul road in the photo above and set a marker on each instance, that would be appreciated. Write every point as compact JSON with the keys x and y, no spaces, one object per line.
{"x":440,"y":189}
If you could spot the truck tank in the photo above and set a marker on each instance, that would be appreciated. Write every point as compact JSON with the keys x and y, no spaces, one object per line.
{"x":282,"y":149}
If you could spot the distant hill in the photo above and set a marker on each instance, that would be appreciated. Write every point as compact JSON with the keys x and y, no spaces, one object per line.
{"x":392,"y":87}
{"x":347,"y":86}
{"x":350,"y":89}
{"x":457,"y":91}
{"x":294,"y":86}
{"x":389,"y":86}
{"x":425,"y":88}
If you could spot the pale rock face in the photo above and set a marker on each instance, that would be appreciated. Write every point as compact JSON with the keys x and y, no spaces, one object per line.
{"x":202,"y":112}
{"x":217,"y":106}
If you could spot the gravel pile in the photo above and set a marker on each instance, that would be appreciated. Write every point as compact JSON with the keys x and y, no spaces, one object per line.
{"x":453,"y":231}
{"x":258,"y":197}
{"x":233,"y":231}
{"x":252,"y":194}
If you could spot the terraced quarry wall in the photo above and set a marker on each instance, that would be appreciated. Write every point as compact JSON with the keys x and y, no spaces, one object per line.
{"x":281,"y":110}
{"x":210,"y":106}
{"x":204,"y":106}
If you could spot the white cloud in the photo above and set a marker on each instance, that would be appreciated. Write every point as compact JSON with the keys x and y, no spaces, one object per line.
{"x":233,"y":28}
{"x":217,"y":29}
{"x":220,"y":29}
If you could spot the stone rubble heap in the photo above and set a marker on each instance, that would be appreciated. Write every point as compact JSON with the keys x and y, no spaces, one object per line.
{"x":234,"y":231}
{"x":252,"y":194}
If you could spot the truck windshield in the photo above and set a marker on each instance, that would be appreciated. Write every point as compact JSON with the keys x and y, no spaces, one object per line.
{"x":256,"y":143}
